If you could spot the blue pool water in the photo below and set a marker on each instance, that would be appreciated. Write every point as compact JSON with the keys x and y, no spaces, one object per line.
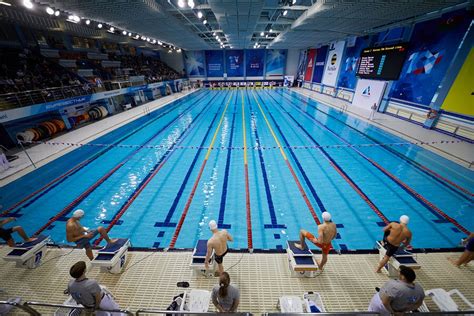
{"x":166,"y":192}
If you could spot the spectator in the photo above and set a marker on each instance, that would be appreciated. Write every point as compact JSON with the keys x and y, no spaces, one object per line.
{"x":398,"y":296}
{"x":225,"y":296}
{"x":88,"y":292}
{"x":468,"y":253}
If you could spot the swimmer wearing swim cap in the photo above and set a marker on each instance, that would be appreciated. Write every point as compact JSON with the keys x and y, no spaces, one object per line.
{"x":218,"y":243}
{"x":327,"y":231}
{"x":394,"y":235}
{"x":82,"y":236}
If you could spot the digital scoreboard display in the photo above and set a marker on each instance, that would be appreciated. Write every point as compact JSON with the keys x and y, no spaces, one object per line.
{"x":383,"y":63}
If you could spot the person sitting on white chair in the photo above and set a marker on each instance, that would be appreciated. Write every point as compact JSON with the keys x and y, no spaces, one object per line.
{"x":225,"y":296}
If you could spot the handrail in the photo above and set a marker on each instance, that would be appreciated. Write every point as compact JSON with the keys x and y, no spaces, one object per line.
{"x":24,"y":308}
{"x":176,"y":313}
{"x":123,"y":311}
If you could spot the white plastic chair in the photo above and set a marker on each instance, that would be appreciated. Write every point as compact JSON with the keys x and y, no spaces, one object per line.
{"x":196,"y":301}
{"x":444,"y":299}
{"x":290,"y":304}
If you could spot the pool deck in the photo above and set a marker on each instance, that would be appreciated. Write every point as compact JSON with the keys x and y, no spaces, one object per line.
{"x":347,"y":284}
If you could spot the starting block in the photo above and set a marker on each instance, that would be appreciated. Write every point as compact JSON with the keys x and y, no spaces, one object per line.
{"x":301,"y":262}
{"x":112,"y":257}
{"x":401,"y":257}
{"x":198,"y":260}
{"x":28,"y":254}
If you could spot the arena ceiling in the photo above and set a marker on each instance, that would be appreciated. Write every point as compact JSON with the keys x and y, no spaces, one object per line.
{"x":242,"y":24}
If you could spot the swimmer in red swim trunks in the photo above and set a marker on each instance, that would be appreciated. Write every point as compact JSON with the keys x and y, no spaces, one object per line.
{"x":327,"y":232}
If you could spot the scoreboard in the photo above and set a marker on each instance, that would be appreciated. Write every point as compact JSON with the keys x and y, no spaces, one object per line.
{"x":382,"y":63}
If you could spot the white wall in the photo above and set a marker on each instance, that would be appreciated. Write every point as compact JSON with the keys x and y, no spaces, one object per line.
{"x":174,"y":60}
{"x":292,"y":62}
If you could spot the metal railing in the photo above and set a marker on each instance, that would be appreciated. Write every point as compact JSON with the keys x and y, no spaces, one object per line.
{"x":88,"y":311}
{"x":26,"y":309}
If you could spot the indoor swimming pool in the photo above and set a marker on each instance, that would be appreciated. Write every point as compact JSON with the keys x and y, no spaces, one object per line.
{"x":262,"y":163}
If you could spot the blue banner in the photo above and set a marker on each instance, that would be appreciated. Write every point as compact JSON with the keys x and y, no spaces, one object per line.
{"x":215,"y":63}
{"x":318,"y":68}
{"x":194,"y":63}
{"x":234,"y":65}
{"x":276,"y":61}
{"x":347,"y":76}
{"x":255,"y":62}
{"x":432,"y":48}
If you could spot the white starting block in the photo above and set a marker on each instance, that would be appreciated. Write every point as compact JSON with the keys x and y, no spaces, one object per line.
{"x":302,"y":264}
{"x":311,"y":303}
{"x":28,"y":254}
{"x":112,"y":257}
{"x":401,"y":257}
{"x":198,"y":260}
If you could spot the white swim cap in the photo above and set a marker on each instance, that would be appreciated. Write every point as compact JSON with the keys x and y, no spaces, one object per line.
{"x":212,"y":225}
{"x":78,"y":213}
{"x":404,"y":219}
{"x":326,"y":216}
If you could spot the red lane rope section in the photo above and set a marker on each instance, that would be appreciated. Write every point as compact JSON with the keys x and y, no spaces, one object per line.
{"x":43,"y":187}
{"x":71,"y":205}
{"x":446,"y":180}
{"x":420,"y":197}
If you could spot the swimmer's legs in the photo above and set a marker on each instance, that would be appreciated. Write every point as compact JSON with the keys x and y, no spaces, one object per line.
{"x":382,"y":263}
{"x":103,"y":232}
{"x":302,"y":244}
{"x":22,"y":233}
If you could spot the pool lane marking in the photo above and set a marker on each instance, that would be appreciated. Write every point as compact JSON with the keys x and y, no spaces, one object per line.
{"x":247,"y":189}
{"x":196,"y":182}
{"x":268,"y":192}
{"x":220,"y":221}
{"x":427,"y":204}
{"x":86,"y":193}
{"x":341,"y":172}
{"x":298,"y":164}
{"x":295,"y":177}
{"x":53,"y":183}
{"x":434,"y":175}
{"x":167,"y":222}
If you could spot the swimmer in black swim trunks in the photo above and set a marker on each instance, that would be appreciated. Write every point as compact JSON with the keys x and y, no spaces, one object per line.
{"x":218,"y":243}
{"x":394,"y":235}
{"x":6,"y":233}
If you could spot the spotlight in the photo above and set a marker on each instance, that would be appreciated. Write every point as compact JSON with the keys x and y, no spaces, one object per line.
{"x":199,"y":15}
{"x":148,"y":39}
{"x":124,"y":32}
{"x":271,"y":31}
{"x":170,"y":51}
{"x":88,"y":22}
{"x":204,"y":22}
{"x":179,"y":50}
{"x":57,"y":13}
{"x":217,"y":37}
{"x":181,"y":3}
{"x":214,"y":34}
{"x":153,"y":42}
{"x":28,"y":4}
{"x":143,"y":38}
{"x":112,"y":29}
{"x":137,"y":36}
{"x":49,"y":11}
{"x":160,"y":43}
{"x":129,"y":34}
{"x":262,"y":33}
{"x":285,"y":12}
{"x":191,"y":3}
{"x":99,"y":25}
{"x":266,"y":36}
{"x":293,"y":2}
{"x":6,"y":3}
{"x":73,"y":18}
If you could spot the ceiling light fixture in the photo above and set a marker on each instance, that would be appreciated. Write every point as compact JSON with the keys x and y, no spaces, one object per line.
{"x":112,"y":29}
{"x":181,"y":3}
{"x":204,"y":22}
{"x":191,"y":4}
{"x":262,"y":33}
{"x":214,"y":34}
{"x":199,"y":15}
{"x":88,"y":22}
{"x":153,"y":42}
{"x":285,"y":12}
{"x":6,"y":3}
{"x":293,"y":2}
{"x":28,"y":4}
{"x":99,"y":25}
{"x":129,"y":34}
{"x":179,"y":50}
{"x":57,"y":13}
{"x":271,"y":30}
{"x":49,"y":11}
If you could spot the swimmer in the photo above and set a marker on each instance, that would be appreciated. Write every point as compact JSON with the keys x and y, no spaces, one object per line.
{"x":75,"y":232}
{"x":394,"y":235}
{"x":218,"y":243}
{"x":468,"y":253}
{"x":327,"y":231}
{"x":6,"y":233}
